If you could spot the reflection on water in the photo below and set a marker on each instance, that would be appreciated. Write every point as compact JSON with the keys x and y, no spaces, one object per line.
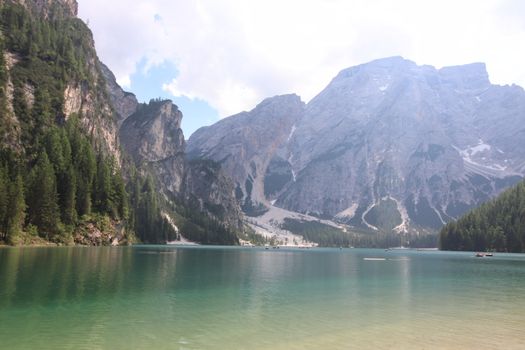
{"x":166,"y":297}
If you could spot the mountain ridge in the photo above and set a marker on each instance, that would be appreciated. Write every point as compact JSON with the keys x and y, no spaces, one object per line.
{"x":414,"y":145}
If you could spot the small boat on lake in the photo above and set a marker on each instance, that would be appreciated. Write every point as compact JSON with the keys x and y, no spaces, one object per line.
{"x":483,"y":255}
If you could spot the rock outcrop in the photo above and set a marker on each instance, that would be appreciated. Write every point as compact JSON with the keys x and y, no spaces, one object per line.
{"x":206,"y":185}
{"x":124,"y":103}
{"x":152,"y":136}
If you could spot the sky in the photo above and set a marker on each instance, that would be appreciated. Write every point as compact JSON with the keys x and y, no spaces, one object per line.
{"x":216,"y":58}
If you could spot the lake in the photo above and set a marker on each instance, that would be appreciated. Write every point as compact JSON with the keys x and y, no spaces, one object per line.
{"x":161,"y":297}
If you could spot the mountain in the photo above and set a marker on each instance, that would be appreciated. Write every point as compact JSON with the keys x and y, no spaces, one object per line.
{"x":245,"y":145}
{"x":81,"y":160}
{"x":153,"y":137}
{"x":386,"y":146}
{"x":498,"y":225}
{"x":60,"y":159}
{"x":199,"y":200}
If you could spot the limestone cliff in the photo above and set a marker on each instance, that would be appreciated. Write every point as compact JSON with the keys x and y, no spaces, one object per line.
{"x":153,"y":137}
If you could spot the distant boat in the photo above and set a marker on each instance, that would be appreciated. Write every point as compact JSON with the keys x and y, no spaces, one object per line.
{"x":482,"y":255}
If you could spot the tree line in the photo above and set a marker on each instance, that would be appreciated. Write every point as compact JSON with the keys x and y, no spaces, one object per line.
{"x":498,"y":225}
{"x":65,"y":183}
{"x":329,"y":236}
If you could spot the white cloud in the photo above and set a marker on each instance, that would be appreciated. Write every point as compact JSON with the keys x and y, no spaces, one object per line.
{"x":233,"y":53}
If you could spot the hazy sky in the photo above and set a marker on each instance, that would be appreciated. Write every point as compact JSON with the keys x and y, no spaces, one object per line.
{"x":215,"y":58}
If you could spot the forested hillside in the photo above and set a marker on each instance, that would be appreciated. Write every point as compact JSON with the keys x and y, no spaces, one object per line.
{"x":64,"y":176}
{"x":498,"y":225}
{"x":60,"y":181}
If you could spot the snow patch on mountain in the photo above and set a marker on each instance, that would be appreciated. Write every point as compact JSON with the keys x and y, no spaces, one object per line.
{"x":471,"y":151}
{"x":475,"y":159}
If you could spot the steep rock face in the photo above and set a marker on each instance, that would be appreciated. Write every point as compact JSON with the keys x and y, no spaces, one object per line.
{"x":153,"y":132}
{"x":246,"y":144}
{"x":95,"y":113}
{"x":84,"y":96}
{"x":206,"y":184}
{"x":393,"y":145}
{"x":125,"y":103}
{"x":10,"y":136}
{"x":153,"y":135}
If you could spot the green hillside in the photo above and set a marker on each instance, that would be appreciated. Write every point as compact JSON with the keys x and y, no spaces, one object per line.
{"x":498,"y":225}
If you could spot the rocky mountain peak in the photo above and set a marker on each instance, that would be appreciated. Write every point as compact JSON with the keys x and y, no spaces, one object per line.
{"x":390,"y":65}
{"x":153,"y":132}
{"x":124,"y":103}
{"x":469,"y":77}
{"x":289,"y":100}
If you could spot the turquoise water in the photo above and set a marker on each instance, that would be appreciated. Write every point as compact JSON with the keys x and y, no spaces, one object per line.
{"x":160,"y":297}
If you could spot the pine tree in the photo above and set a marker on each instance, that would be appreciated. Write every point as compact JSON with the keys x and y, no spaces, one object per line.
{"x":496,"y":225}
{"x":147,"y":212}
{"x":4,"y":185}
{"x":54,"y":149}
{"x":41,"y":113}
{"x":86,"y":167}
{"x":68,"y":196}
{"x":17,"y":210}
{"x":42,"y":198}
{"x":119,"y":197}
{"x":102,"y":187}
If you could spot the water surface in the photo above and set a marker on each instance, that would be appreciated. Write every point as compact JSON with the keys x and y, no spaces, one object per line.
{"x":248,"y":298}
